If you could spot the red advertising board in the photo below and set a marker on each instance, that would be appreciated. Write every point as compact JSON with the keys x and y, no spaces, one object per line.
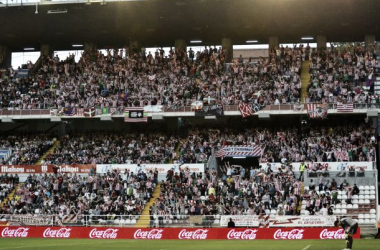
{"x":40,"y":169}
{"x":174,"y":233}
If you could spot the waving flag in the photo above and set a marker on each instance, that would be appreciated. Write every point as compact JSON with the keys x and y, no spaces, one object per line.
{"x":346,"y":108}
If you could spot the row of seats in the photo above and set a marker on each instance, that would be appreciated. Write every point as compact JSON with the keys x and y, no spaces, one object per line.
{"x":358,"y":197}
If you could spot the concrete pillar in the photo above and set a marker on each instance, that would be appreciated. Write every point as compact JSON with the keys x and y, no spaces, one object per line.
{"x":369,"y":40}
{"x":321,"y":42}
{"x":47,"y":50}
{"x":134,"y":47}
{"x":180,"y":44}
{"x":227,"y":46}
{"x":5,"y":57}
{"x":89,"y":47}
{"x":273,"y":42}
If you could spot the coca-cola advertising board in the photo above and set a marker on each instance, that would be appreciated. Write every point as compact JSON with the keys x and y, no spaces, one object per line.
{"x":41,"y":169}
{"x":174,"y":233}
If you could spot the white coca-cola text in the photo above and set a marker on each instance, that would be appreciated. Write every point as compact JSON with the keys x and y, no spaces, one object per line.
{"x":109,"y":233}
{"x":21,"y":232}
{"x":199,"y":234}
{"x":333,"y":234}
{"x":57,"y":233}
{"x":294,"y":234}
{"x":154,"y":234}
{"x":248,"y":234}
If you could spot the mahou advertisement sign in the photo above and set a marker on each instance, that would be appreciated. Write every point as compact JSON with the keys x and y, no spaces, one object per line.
{"x":175,"y":233}
{"x":49,"y":169}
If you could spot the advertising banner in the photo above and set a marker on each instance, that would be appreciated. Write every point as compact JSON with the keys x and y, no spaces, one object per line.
{"x":278,"y":221}
{"x":331,"y":166}
{"x":174,"y":233}
{"x":41,"y":169}
{"x":162,"y":168}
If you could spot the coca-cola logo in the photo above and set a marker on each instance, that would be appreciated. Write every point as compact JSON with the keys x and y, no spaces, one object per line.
{"x":199,"y":234}
{"x":248,"y":234}
{"x":154,"y":234}
{"x":21,"y":232}
{"x":334,"y":234}
{"x":59,"y":233}
{"x":109,"y":233}
{"x":295,"y":234}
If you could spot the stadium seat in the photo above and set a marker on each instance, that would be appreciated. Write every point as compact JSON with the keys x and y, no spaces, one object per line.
{"x":361,"y":201}
{"x":338,"y":206}
{"x":366,"y":201}
{"x":344,"y":206}
{"x":344,"y":211}
{"x":355,"y":206}
{"x":372,"y":216}
{"x":339,"y":196}
{"x":361,"y":188}
{"x":372,"y":211}
{"x":367,"y":221}
{"x":372,"y":192}
{"x":355,"y":201}
{"x":344,"y":197}
{"x":366,"y":196}
{"x":366,"y":187}
{"x":361,"y":221}
{"x":361,"y":216}
{"x":337,"y":211}
{"x":366,"y":216}
{"x":372,"y":187}
{"x":355,"y":196}
{"x":372,"y":197}
{"x":361,"y":196}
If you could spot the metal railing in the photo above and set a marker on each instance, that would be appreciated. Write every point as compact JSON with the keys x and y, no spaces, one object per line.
{"x":182,"y":109}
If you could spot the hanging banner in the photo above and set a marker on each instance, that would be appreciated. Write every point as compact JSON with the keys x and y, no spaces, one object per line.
{"x":236,"y":151}
{"x":331,"y":166}
{"x":162,"y":168}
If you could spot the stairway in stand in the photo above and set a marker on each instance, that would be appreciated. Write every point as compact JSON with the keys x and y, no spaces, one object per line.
{"x":50,"y":151}
{"x":143,"y":221}
{"x":305,"y":79}
{"x":10,"y":195}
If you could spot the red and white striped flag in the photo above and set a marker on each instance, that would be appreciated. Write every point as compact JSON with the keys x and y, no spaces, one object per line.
{"x":341,"y":107}
{"x":317,"y":110}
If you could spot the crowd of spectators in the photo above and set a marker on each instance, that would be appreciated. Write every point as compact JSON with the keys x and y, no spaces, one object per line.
{"x":26,"y":148}
{"x":114,"y":148}
{"x":176,"y":79}
{"x":7,"y":184}
{"x":344,"y":75}
{"x":240,"y":192}
{"x":114,"y":193}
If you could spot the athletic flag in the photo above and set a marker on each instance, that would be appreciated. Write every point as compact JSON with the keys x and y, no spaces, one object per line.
{"x":108,"y":111}
{"x":245,"y":110}
{"x":89,"y":112}
{"x":317,"y":110}
{"x":56,"y":112}
{"x":341,"y":107}
{"x":136,"y":114}
{"x":80,"y":111}
{"x":69,"y":111}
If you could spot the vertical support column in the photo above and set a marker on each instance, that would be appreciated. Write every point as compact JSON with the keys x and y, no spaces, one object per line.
{"x":321,"y":42}
{"x":134,"y":48}
{"x":273,"y":42}
{"x":47,"y":50}
{"x":227,"y":46}
{"x":180,"y":44}
{"x":5,"y":57}
{"x":369,"y":40}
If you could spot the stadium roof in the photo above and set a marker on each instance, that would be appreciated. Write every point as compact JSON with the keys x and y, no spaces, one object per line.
{"x":160,"y":22}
